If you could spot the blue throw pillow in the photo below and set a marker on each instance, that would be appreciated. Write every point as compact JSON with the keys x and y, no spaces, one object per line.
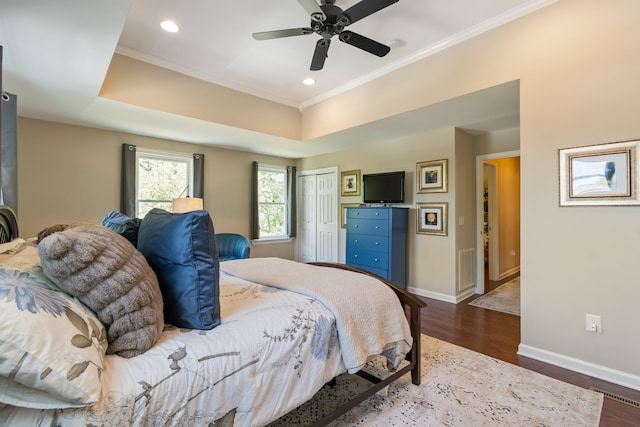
{"x":124,"y":225}
{"x":181,"y":249}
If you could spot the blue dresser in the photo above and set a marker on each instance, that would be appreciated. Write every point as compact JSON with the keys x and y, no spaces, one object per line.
{"x":377,"y":241}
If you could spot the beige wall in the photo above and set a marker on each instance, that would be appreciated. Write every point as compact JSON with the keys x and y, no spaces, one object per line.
{"x":134,"y":82}
{"x":578,"y":65}
{"x":71,"y":173}
{"x":431,"y":258}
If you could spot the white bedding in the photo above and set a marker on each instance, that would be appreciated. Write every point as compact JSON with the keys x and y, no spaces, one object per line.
{"x":354,"y":299}
{"x":273,"y":350}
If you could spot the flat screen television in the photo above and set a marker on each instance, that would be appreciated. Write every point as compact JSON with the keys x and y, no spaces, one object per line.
{"x":385,"y":187}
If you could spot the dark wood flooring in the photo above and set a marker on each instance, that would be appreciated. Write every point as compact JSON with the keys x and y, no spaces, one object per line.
{"x":497,"y":335}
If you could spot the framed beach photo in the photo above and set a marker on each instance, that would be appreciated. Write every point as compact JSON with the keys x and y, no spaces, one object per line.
{"x":350,"y":183}
{"x":431,"y":218}
{"x":432,"y":176}
{"x":599,"y":175}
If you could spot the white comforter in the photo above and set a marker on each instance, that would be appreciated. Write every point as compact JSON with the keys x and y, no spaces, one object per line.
{"x":355,"y":300}
{"x":273,"y":350}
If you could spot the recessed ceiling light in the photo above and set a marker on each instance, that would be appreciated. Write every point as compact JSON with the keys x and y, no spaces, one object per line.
{"x":170,"y":26}
{"x":309,"y":81}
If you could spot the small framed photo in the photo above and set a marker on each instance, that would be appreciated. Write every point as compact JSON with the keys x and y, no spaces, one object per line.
{"x":350,"y":183}
{"x":343,"y":213}
{"x":599,"y":175}
{"x":431,"y":218}
{"x":432,"y":176}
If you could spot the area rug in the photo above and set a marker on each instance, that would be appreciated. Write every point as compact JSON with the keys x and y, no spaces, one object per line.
{"x":459,"y":388}
{"x":505,"y":298}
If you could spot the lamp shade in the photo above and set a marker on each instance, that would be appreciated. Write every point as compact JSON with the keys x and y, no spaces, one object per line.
{"x":187,"y":204}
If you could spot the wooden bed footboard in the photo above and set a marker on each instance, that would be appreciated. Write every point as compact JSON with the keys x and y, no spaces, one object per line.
{"x":412,"y":306}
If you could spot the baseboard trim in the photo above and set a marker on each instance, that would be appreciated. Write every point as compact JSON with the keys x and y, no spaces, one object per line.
{"x":434,"y":295}
{"x":623,"y":379}
{"x":443,"y":297}
{"x":508,"y":273}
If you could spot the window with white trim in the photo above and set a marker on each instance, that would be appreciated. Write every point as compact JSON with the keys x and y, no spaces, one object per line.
{"x":161,"y":176}
{"x":272,"y":202}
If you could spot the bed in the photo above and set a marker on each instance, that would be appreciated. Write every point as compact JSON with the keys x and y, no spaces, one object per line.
{"x":285,"y":329}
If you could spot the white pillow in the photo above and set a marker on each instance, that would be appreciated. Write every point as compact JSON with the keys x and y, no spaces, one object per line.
{"x":52,"y":348}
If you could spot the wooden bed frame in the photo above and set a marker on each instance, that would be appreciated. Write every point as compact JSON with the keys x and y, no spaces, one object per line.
{"x":410,"y":303}
{"x":412,"y":306}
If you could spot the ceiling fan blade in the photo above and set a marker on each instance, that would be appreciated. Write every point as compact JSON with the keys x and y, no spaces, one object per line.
{"x":365,"y":8}
{"x":266,"y":35}
{"x":364,"y":43}
{"x":320,"y":54}
{"x":313,"y":9}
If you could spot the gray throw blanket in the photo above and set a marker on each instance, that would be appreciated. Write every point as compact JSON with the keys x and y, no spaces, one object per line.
{"x":108,"y":274}
{"x":369,"y":317}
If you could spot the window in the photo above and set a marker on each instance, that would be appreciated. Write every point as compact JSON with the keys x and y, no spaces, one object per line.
{"x":161,"y":177}
{"x":153,"y":178}
{"x":274,"y":203}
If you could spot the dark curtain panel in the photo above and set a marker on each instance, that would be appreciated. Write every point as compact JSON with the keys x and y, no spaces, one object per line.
{"x":128,"y":182}
{"x":291,"y":200}
{"x":198,"y":175}
{"x":9,"y":150}
{"x":255,"y":216}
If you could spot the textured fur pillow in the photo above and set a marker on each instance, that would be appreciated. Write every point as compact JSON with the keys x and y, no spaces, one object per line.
{"x":108,"y":274}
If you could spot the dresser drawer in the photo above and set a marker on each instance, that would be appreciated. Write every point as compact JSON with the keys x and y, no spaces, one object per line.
{"x":379,"y":227}
{"x":370,"y":258}
{"x":380,"y":272}
{"x":359,"y":242}
{"x":368,"y":213}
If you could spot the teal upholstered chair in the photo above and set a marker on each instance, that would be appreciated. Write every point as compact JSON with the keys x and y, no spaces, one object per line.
{"x":232,"y":246}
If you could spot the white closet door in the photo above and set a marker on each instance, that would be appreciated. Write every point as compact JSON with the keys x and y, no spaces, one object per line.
{"x":327,"y":222}
{"x":307,"y":218}
{"x":318,"y":216}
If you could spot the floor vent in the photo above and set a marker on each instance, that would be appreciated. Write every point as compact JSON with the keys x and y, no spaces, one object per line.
{"x":616,"y":397}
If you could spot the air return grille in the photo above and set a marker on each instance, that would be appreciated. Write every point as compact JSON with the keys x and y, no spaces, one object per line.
{"x":616,"y":397}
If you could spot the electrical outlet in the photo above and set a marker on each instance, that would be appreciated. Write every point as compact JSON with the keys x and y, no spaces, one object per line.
{"x":594,"y":323}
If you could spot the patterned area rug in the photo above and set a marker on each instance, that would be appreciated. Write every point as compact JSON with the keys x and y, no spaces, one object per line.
{"x":505,"y":298}
{"x":459,"y":388}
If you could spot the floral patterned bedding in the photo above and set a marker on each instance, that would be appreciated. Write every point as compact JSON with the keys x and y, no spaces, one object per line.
{"x":273,"y":351}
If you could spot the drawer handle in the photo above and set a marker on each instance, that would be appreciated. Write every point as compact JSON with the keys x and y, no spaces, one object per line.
{"x":356,"y":226}
{"x":355,"y":256}
{"x":375,"y":259}
{"x":355,"y":241}
{"x":377,"y":227}
{"x":377,"y":213}
{"x":376,"y":243}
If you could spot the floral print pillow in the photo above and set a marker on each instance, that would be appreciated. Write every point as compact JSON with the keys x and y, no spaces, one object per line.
{"x":52,"y":348}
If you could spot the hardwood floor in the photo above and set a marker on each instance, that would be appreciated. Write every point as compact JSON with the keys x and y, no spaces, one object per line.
{"x":497,"y":335}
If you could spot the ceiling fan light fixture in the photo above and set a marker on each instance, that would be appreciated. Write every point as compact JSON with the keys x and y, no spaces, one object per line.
{"x":328,"y":20}
{"x":309,"y":81}
{"x":170,"y":26}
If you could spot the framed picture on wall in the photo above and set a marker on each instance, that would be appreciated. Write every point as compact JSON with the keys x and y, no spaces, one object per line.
{"x":432,"y":176}
{"x":599,"y":175}
{"x":350,"y":183}
{"x":432,"y":218}
{"x":343,"y":213}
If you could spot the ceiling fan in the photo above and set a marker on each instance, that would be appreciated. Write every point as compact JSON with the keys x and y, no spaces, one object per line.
{"x":328,"y":20}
